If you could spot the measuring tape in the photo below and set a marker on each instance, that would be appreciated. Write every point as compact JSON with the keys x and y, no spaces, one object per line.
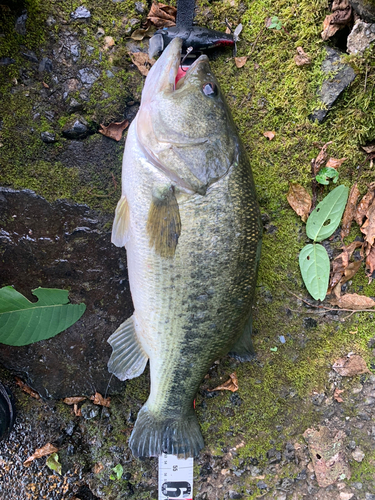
{"x":175,"y":478}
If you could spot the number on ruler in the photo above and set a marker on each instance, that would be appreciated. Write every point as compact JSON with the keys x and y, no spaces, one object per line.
{"x":172,"y":489}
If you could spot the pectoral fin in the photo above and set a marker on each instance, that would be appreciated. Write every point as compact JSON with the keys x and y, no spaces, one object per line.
{"x":128,"y":359}
{"x":243,"y":349}
{"x":120,"y":228}
{"x":164,"y":223}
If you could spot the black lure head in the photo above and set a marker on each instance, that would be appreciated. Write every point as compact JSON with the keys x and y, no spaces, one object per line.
{"x":7,"y":411}
{"x":197,"y":37}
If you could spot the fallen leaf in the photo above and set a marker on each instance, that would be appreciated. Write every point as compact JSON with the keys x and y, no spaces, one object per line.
{"x":368,"y":228}
{"x":45,"y":85}
{"x":140,"y":33}
{"x":114,"y":130}
{"x":53,"y":463}
{"x":240,"y":61}
{"x":142,"y":61}
{"x":342,"y":269}
{"x":162,"y":15}
{"x":99,"y":400}
{"x":41,"y":452}
{"x":77,"y":411}
{"x":301,"y":58}
{"x":74,"y":400}
{"x":370,"y":148}
{"x":328,"y":455}
{"x":353,"y":301}
{"x":108,"y":42}
{"x":350,"y":366}
{"x":270,"y":135}
{"x":322,"y":157}
{"x":329,"y":29}
{"x":370,"y":263}
{"x":300,"y":200}
{"x":26,"y":388}
{"x":364,"y":204}
{"x":335,"y":162}
{"x":229,"y":385}
{"x":340,"y":17}
{"x":98,"y":467}
{"x":336,"y":395}
{"x":349,"y":211}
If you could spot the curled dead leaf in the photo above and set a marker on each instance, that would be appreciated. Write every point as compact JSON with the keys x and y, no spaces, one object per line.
{"x":26,"y":388}
{"x":353,"y":301}
{"x":162,"y":16}
{"x":77,"y":411}
{"x":229,"y":385}
{"x":98,"y":399}
{"x":114,"y":130}
{"x":349,"y":211}
{"x":269,"y":134}
{"x":41,"y":452}
{"x":370,"y":263}
{"x":73,"y":400}
{"x":240,"y":61}
{"x":364,"y":204}
{"x":368,"y":228}
{"x":140,"y":33}
{"x":322,"y":157}
{"x":350,"y":366}
{"x":329,"y":29}
{"x":301,"y":58}
{"x":142,"y":61}
{"x":336,"y":395}
{"x":335,"y":162}
{"x":300,"y":200}
{"x":342,"y":269}
{"x":370,"y":148}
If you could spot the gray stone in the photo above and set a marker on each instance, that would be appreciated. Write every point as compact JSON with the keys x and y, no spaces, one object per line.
{"x":74,"y":106}
{"x":29,"y":55}
{"x":48,"y":137}
{"x":89,"y":411}
{"x":88,"y":76}
{"x":75,"y":50}
{"x":369,"y":496}
{"x":360,"y":38}
{"x":357,"y":486}
{"x":66,"y":246}
{"x":365,"y":9}
{"x":90,"y":50}
{"x":358,"y":455}
{"x":80,"y":13}
{"x":77,"y":128}
{"x":20,"y":25}
{"x":45,"y":65}
{"x":234,"y":495}
{"x":109,"y":73}
{"x":140,"y":7}
{"x":6,"y":61}
{"x":332,"y":86}
{"x":262,"y":485}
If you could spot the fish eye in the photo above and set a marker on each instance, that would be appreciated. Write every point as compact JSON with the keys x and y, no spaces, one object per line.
{"x":210,"y":89}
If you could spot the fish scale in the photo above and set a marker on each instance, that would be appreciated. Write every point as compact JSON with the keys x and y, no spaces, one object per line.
{"x":192,"y":234}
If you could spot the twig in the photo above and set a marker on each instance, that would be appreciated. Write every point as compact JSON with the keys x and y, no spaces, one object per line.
{"x":366,"y":77}
{"x":255,"y":42}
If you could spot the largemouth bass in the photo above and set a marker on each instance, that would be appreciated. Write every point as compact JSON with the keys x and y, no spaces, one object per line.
{"x":190,"y":222}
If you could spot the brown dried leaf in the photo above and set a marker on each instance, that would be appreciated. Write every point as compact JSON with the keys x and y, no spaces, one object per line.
{"x":77,"y":411}
{"x":370,"y":263}
{"x":114,"y":130}
{"x":240,"y":61}
{"x":98,"y":467}
{"x":140,"y":33}
{"x":322,"y":156}
{"x":301,"y":58}
{"x":368,"y":228}
{"x":229,"y":385}
{"x":336,"y":395}
{"x":329,"y":29}
{"x":99,"y":400}
{"x":364,"y":204}
{"x":350,"y":366}
{"x":339,"y":5}
{"x":142,"y":61}
{"x":300,"y":200}
{"x":370,"y":148}
{"x":328,"y":455}
{"x":349,"y":211}
{"x":162,"y":15}
{"x":41,"y":452}
{"x":342,"y":17}
{"x":353,"y":301}
{"x":335,"y":163}
{"x":108,"y":42}
{"x":269,"y":134}
{"x":26,"y":388}
{"x":74,"y":400}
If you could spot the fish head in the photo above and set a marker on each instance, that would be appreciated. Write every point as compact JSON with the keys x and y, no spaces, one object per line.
{"x":184,"y":124}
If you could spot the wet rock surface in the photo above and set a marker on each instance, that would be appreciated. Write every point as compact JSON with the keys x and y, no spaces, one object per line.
{"x":332,"y":86}
{"x":67,"y":246}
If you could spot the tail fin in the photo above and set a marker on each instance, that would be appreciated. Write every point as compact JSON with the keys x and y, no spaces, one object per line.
{"x":153,"y":435}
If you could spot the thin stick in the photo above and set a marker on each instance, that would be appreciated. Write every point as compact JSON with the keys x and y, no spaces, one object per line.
{"x":366,"y":77}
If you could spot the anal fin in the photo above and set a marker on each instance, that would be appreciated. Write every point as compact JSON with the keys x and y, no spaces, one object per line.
{"x":120,"y":228}
{"x":243,"y":349}
{"x":164,"y":222}
{"x":128,"y":359}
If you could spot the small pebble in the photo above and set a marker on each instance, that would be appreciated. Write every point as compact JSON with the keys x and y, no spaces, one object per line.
{"x":358,"y":455}
{"x":80,"y":13}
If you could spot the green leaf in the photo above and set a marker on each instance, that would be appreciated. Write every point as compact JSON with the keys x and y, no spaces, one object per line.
{"x":327,"y":173}
{"x":324,"y":220}
{"x":53,"y":463}
{"x":275,"y":23}
{"x":314,"y":265}
{"x":23,"y":322}
{"x":273,"y":349}
{"x":118,"y":470}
